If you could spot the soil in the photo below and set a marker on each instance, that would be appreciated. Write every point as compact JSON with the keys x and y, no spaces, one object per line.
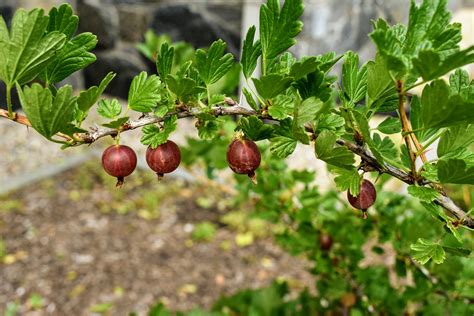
{"x":84,"y":247}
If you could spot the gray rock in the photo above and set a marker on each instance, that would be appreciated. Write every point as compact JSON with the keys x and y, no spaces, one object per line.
{"x":7,"y":9}
{"x":124,"y":60}
{"x":100,"y":18}
{"x":196,"y":25}
{"x":134,"y":20}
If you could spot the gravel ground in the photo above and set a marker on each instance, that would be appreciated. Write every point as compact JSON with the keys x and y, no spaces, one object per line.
{"x":78,"y":243}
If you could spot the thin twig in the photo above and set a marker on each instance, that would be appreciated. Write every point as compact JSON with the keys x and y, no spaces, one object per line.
{"x":233,"y":108}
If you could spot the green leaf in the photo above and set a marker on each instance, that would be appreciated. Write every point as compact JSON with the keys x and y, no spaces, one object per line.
{"x":354,"y":79}
{"x":436,"y":211}
{"x":72,"y":57}
{"x":164,"y":61}
{"x":380,"y":86}
{"x":89,"y":97}
{"x":27,"y":50}
{"x":183,"y":87}
{"x":456,"y":138}
{"x":213,"y":64}
{"x":455,"y":171}
{"x":307,"y":110}
{"x":328,"y":151}
{"x":384,"y":147}
{"x":208,"y":129}
{"x":390,"y":126}
{"x":347,"y":179}
{"x":459,"y":82}
{"x":282,"y":146}
{"x":282,"y":106}
{"x":255,"y":129}
{"x":272,"y":85}
{"x":250,"y":99}
{"x":457,"y":251}
{"x":416,"y":120}
{"x":47,"y":115}
{"x":304,"y":67}
{"x":426,"y":250}
{"x":431,"y":65}
{"x":250,"y":53}
{"x":361,"y":124}
{"x":315,"y":84}
{"x":63,"y":20}
{"x":109,"y":108}
{"x":144,"y":93}
{"x":332,"y":122}
{"x":440,"y":109}
{"x":153,"y":136}
{"x":117,"y":123}
{"x":423,"y":193}
{"x":389,"y":42}
{"x":278,"y":28}
{"x":426,"y":24}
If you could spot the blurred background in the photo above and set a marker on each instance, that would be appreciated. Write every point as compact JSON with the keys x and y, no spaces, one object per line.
{"x":71,"y":244}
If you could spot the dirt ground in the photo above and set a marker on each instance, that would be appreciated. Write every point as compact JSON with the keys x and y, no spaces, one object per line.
{"x":75,"y":245}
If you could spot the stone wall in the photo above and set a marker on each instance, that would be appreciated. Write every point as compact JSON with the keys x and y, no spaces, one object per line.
{"x":329,"y":26}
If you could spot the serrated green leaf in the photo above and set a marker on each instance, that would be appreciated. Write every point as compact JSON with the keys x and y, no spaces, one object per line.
{"x":144,"y":93}
{"x":436,"y":211}
{"x":431,"y":65}
{"x":423,"y":193}
{"x":315,"y":84}
{"x":304,"y":67}
{"x":459,"y":82}
{"x":347,"y":179}
{"x":272,"y":85}
{"x":208,"y":130}
{"x":441,"y":109}
{"x":389,"y":42}
{"x":455,"y":138}
{"x":164,"y":60}
{"x":457,"y":251}
{"x":279,"y":27}
{"x":255,"y":129}
{"x":183,"y":87}
{"x":332,"y":122}
{"x":90,"y":96}
{"x":153,"y":136}
{"x":109,"y":108}
{"x":47,"y":115}
{"x":250,"y":100}
{"x":282,"y":106}
{"x":455,"y":171}
{"x":27,"y":49}
{"x":328,"y":151}
{"x":390,"y":126}
{"x":416,"y":120}
{"x":117,"y":123}
{"x":384,"y":146}
{"x":72,"y":57}
{"x":213,"y":64}
{"x":426,"y":250}
{"x":282,"y":146}
{"x":361,"y":123}
{"x":63,"y":20}
{"x":380,"y":86}
{"x":250,"y":53}
{"x":307,"y":110}
{"x":354,"y":80}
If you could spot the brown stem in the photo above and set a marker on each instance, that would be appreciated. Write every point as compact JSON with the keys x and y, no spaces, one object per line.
{"x":406,"y":126}
{"x":234,"y":109}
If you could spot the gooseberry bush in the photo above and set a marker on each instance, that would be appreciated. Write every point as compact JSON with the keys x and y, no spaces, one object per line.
{"x":294,"y":101}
